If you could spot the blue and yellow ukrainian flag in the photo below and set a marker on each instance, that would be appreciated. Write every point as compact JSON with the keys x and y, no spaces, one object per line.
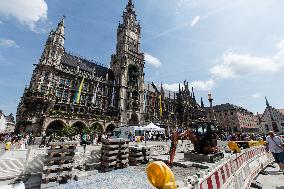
{"x":161,"y":107}
{"x":78,"y":95}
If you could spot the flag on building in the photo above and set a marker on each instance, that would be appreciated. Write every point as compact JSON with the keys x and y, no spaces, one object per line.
{"x":161,"y":107}
{"x":78,"y":95}
{"x":145,"y":99}
{"x":113,"y":94}
{"x":161,"y":100}
{"x":96,"y":91}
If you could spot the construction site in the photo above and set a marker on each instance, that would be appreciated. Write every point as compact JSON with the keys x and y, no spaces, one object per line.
{"x":120,"y":164}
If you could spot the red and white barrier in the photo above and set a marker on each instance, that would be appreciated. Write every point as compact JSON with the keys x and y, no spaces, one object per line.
{"x":236,"y":172}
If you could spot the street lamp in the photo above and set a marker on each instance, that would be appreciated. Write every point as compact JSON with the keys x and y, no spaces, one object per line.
{"x":210,"y":99}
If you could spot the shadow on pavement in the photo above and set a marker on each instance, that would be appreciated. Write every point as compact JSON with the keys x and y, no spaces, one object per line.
{"x":274,"y":173}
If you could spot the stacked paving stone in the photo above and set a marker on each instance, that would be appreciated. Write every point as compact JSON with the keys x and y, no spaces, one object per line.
{"x":138,"y":155}
{"x":58,"y":168}
{"x":114,"y":154}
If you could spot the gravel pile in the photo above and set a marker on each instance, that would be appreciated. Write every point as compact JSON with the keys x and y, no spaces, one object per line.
{"x":133,"y":177}
{"x":128,"y":178}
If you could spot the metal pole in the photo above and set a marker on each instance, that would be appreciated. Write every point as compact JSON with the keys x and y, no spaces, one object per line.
{"x":145,"y":137}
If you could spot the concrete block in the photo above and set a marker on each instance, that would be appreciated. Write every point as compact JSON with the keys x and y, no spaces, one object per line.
{"x":81,"y":175}
{"x":49,"y":185}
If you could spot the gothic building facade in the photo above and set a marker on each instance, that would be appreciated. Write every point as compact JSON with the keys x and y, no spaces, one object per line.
{"x":66,"y":90}
{"x":272,"y":119}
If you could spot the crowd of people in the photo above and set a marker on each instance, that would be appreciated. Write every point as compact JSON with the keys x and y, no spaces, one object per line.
{"x":148,"y":136}
{"x":244,"y":137}
{"x":16,"y":141}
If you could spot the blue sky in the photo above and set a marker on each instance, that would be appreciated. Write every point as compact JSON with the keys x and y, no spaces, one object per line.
{"x":233,"y":48}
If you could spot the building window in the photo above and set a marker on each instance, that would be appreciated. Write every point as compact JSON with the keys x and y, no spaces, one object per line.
{"x":46,"y":76}
{"x":62,"y":82}
{"x":67,"y":82}
{"x":85,"y":87}
{"x":59,"y":93}
{"x":43,"y":88}
{"x":65,"y":97}
{"x":83,"y":99}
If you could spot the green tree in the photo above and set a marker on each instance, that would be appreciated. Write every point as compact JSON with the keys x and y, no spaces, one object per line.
{"x":68,"y":131}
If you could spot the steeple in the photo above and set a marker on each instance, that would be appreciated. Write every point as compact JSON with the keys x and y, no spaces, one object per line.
{"x":202,"y":104}
{"x":127,"y":65}
{"x":130,"y":7}
{"x":129,"y":17}
{"x":60,"y":27}
{"x":192,"y":93}
{"x":266,"y":101}
{"x":54,"y":46}
{"x":162,"y":90}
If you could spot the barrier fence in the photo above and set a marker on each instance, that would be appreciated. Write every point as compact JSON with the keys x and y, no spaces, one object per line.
{"x":236,"y":172}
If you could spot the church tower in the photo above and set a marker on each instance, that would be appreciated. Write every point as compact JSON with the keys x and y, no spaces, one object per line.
{"x":128,"y":67}
{"x":50,"y":59}
{"x":54,"y":46}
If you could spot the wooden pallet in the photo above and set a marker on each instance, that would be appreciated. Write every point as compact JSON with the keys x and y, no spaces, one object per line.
{"x":59,"y":165}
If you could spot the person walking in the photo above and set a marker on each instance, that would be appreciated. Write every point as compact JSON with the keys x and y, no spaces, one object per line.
{"x":275,"y":146}
{"x":84,"y":141}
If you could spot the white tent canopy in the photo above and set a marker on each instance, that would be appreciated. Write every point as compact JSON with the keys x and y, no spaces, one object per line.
{"x":153,"y":127}
{"x":3,"y":123}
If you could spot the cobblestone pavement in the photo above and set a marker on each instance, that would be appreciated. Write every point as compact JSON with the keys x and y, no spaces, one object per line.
{"x":274,"y":180}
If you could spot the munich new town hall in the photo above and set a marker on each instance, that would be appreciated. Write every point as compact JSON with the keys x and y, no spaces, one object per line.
{"x":70,"y":91}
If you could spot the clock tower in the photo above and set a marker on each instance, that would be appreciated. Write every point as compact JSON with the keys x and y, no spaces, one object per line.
{"x":128,"y":67}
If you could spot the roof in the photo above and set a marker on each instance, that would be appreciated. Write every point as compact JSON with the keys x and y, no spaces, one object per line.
{"x":281,"y":111}
{"x":226,"y":107}
{"x":151,"y":89}
{"x":85,"y":65}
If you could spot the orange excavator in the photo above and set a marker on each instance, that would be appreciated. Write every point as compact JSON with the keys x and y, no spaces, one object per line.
{"x":203,"y":138}
{"x":187,"y":135}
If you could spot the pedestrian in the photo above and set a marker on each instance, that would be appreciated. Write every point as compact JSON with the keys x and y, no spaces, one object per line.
{"x":84,"y":141}
{"x":95,"y":140}
{"x":275,"y":146}
{"x":42,"y":142}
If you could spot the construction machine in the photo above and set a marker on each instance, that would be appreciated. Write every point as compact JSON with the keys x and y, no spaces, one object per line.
{"x":204,"y":139}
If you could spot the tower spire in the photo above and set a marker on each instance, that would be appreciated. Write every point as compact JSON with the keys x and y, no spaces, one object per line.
{"x":60,"y":27}
{"x":266,"y":101}
{"x":54,"y":46}
{"x":202,"y":104}
{"x":130,"y":6}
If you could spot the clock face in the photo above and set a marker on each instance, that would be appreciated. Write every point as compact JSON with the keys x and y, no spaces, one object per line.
{"x":133,"y":35}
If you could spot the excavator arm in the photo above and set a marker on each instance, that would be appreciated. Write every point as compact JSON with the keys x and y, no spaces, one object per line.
{"x":187,"y":135}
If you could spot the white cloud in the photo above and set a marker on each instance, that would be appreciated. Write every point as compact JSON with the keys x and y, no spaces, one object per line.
{"x":149,"y":59}
{"x":171,"y":87}
{"x":27,"y":12}
{"x":1,"y":22}
{"x":280,"y":45}
{"x":256,"y":95}
{"x":8,"y":43}
{"x":197,"y":85}
{"x":194,"y":21}
{"x":236,"y":64}
{"x":203,"y":85}
{"x":185,"y":3}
